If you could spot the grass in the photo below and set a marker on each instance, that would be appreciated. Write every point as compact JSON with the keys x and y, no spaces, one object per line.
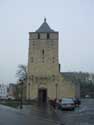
{"x":16,"y":104}
{"x":10,"y":103}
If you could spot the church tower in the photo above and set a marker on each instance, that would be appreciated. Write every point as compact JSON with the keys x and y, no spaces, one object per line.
{"x":44,"y":78}
{"x":43,"y":64}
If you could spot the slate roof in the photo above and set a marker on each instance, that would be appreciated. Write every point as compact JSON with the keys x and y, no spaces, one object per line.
{"x":44,"y":27}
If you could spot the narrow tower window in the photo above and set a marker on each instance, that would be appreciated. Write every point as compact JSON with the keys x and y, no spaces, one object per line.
{"x":48,"y":35}
{"x":38,"y":36}
{"x":43,"y":56}
{"x":32,"y":59}
{"x":53,"y":59}
{"x":43,"y":52}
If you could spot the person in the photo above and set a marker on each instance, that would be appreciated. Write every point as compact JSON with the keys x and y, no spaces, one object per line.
{"x":55,"y":103}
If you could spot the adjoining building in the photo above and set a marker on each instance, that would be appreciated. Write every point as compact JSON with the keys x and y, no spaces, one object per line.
{"x":3,"y":91}
{"x":12,"y":91}
{"x":44,"y":78}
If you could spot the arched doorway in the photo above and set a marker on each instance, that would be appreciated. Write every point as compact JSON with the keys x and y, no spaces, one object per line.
{"x":42,"y":95}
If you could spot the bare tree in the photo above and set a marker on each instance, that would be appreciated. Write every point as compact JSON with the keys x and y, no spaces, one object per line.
{"x":22,"y":72}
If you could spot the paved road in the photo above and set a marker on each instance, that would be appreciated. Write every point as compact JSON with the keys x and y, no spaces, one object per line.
{"x":10,"y":116}
{"x":82,"y":116}
{"x":41,"y":116}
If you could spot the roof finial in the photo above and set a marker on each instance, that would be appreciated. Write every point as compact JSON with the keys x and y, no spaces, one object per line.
{"x":45,"y":20}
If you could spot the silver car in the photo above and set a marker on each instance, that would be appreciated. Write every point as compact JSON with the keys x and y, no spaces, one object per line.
{"x":67,"y":103}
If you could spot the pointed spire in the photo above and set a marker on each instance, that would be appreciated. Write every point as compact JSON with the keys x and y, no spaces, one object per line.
{"x":44,"y":27}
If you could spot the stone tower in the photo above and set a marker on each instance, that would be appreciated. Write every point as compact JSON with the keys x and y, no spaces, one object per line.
{"x":43,"y":64}
{"x":44,"y":78}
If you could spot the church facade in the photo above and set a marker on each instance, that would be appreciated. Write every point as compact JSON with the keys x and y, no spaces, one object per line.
{"x":44,"y":78}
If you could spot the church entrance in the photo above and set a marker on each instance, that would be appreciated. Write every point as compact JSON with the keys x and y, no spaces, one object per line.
{"x":42,"y":95}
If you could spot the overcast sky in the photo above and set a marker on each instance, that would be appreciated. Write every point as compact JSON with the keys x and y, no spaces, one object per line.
{"x":73,"y":19}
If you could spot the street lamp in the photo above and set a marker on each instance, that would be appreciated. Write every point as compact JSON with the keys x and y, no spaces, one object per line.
{"x":29,"y":91}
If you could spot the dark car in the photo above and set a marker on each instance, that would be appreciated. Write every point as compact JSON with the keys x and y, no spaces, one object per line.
{"x":77,"y":101}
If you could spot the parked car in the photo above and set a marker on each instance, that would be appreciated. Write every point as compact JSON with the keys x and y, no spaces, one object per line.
{"x":11,"y":98}
{"x":77,"y":101}
{"x":66,"y":104}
